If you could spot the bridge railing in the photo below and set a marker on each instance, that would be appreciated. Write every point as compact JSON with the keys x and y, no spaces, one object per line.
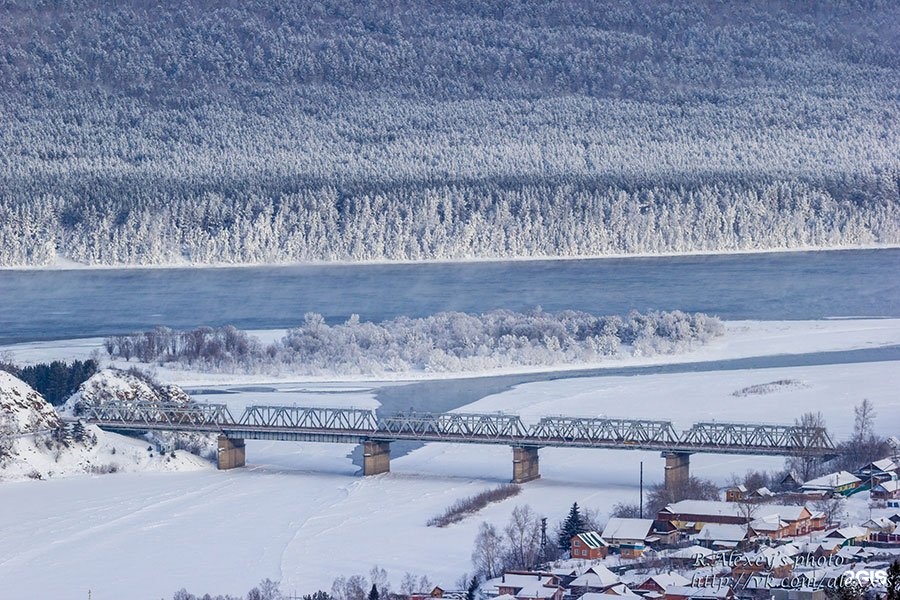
{"x":603,"y":430}
{"x":793,"y":437}
{"x":707,"y":436}
{"x":454,"y":425}
{"x":159,"y":413}
{"x":298,"y":417}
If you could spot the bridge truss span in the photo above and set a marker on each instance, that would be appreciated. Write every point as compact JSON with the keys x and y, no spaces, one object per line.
{"x":356,"y":425}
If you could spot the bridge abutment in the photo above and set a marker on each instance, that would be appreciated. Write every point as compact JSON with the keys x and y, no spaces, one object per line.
{"x":232,"y":453}
{"x":677,"y":472}
{"x":526,"y":465}
{"x":376,"y":457}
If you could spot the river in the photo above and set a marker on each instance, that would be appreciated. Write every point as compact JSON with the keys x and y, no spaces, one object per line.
{"x":60,"y":304}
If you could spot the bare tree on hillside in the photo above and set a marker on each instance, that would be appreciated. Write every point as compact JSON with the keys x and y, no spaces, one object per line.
{"x":487,"y":556}
{"x":523,"y":534}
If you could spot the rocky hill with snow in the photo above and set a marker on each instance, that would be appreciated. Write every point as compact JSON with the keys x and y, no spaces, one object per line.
{"x":35,"y":443}
{"x":22,"y":410}
{"x":113,"y":385}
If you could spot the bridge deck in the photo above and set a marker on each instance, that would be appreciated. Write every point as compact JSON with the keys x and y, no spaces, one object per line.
{"x":351,"y":425}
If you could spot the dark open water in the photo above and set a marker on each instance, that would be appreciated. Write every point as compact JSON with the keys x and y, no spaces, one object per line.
{"x":38,"y":305}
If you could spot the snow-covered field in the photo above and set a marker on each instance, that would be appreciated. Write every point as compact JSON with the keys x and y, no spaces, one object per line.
{"x":301,"y":514}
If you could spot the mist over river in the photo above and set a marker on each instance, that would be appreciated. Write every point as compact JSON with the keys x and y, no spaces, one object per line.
{"x":57,"y":304}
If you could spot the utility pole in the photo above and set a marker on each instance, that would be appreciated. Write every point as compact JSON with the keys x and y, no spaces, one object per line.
{"x":641,"y":504}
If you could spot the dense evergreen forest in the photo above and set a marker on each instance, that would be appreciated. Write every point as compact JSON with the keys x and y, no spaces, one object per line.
{"x":266,"y":130}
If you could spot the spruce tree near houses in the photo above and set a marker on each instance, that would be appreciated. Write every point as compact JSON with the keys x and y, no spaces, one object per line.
{"x":373,"y":593}
{"x":572,"y":526}
{"x":472,"y":589}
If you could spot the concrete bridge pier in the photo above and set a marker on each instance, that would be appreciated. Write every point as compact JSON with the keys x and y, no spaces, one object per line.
{"x":376,"y":457}
{"x":677,"y":472}
{"x":232,"y":453}
{"x":525,"y":464}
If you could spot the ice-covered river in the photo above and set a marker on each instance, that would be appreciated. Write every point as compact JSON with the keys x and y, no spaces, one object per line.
{"x":806,"y":285}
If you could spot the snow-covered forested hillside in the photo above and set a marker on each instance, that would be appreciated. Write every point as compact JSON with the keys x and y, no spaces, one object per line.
{"x":277,"y":131}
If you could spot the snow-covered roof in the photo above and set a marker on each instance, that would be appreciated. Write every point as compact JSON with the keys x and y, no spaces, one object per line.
{"x":787,"y":512}
{"x":832,"y":480}
{"x":885,"y":465}
{"x":592,"y":539}
{"x":879,"y":523}
{"x":620,"y":528}
{"x":704,"y":507}
{"x":528,"y":585}
{"x":768,"y":523}
{"x":721,"y":532}
{"x":670,"y":579}
{"x":620,"y":589}
{"x":764,"y":492}
{"x":846,"y":533}
{"x":889,"y":486}
{"x":597,"y":577}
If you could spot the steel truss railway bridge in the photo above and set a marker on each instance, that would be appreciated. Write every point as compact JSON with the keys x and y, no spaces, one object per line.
{"x":360,"y":426}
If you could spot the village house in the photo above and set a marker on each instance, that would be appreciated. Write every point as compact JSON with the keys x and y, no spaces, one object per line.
{"x":722,"y":536}
{"x":790,"y":482}
{"x":527,"y":585}
{"x":780,"y":521}
{"x":597,"y":579}
{"x":761,"y":494}
{"x":771,"y":527}
{"x":620,"y":589}
{"x":735,"y":493}
{"x":661,"y":581}
{"x":853,"y":535}
{"x":628,"y":537}
{"x":879,"y":525}
{"x":589,"y":545}
{"x":887,"y":490}
{"x":841,"y":482}
{"x":664,"y":533}
{"x":878,"y":471}
{"x":694,"y":514}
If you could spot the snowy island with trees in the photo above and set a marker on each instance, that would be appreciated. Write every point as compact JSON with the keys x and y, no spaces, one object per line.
{"x":448,"y":342}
